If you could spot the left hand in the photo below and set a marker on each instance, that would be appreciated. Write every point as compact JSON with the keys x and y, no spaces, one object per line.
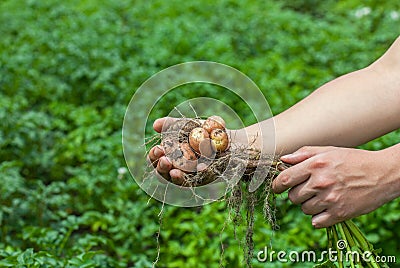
{"x":336,"y":184}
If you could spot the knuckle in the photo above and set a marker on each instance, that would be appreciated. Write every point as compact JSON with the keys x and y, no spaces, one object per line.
{"x":341,"y":214}
{"x":318,"y":163}
{"x":322,"y":182}
{"x":331,"y":199}
{"x":285,"y":180}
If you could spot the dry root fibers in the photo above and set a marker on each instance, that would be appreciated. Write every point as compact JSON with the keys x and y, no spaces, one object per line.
{"x":231,"y":164}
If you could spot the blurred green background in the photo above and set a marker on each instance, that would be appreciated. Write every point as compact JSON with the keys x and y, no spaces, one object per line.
{"x":67,"y":72}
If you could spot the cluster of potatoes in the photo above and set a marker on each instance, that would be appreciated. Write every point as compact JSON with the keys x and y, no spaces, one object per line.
{"x":197,"y":144}
{"x":210,"y":138}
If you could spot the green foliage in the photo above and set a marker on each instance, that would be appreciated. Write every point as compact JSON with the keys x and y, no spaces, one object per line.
{"x":67,"y":72}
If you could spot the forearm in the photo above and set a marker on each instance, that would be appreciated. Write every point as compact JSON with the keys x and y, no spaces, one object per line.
{"x":347,"y":111}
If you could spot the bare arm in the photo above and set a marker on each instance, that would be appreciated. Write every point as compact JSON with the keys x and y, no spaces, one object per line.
{"x":347,"y":111}
{"x":334,"y":184}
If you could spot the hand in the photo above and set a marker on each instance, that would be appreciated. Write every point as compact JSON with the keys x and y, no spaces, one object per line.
{"x":164,"y":166}
{"x":157,"y":156}
{"x":336,"y":184}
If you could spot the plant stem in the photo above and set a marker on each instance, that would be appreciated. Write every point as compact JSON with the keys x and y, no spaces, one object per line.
{"x":329,"y":235}
{"x":345,"y":239}
{"x":336,"y":239}
{"x":363,"y":243}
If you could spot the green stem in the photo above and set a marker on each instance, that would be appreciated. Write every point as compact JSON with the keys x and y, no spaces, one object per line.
{"x":64,"y":241}
{"x":363,"y":242}
{"x":336,"y":239}
{"x":329,"y":235}
{"x":345,"y":239}
{"x":365,"y":245}
{"x":349,"y":235}
{"x":353,"y":244}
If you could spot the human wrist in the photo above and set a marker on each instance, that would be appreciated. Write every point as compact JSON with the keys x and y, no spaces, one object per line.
{"x":245,"y":138}
{"x":389,"y":159}
{"x":239,"y":137}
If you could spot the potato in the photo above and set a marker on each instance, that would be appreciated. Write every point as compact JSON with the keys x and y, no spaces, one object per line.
{"x":207,"y":148}
{"x":187,"y":161}
{"x":180,"y":154}
{"x":197,"y":135}
{"x":214,"y":122}
{"x":220,"y":140}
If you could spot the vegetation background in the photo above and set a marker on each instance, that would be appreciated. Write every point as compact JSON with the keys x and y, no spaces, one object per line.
{"x":67,"y":72}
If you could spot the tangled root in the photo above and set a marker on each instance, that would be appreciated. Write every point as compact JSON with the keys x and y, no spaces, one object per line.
{"x":235,"y":166}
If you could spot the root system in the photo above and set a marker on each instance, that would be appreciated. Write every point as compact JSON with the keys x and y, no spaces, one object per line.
{"x":236,"y":167}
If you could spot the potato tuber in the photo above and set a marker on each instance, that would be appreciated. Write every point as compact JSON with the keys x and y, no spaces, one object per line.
{"x":197,"y":135}
{"x":214,"y":122}
{"x":207,"y":148}
{"x":220,"y":140}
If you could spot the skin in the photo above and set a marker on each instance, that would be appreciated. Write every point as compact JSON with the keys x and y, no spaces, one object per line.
{"x":330,"y":182}
{"x":335,"y":184}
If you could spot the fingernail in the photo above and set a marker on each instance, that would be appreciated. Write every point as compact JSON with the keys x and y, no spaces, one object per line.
{"x":158,"y":151}
{"x":314,"y":223}
{"x":164,"y":163}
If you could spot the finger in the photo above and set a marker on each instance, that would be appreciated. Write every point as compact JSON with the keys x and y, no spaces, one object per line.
{"x":163,"y":123}
{"x":301,"y":193}
{"x":305,"y":153}
{"x":162,"y":179}
{"x":202,"y":167}
{"x":155,"y":153}
{"x":177,"y":176}
{"x":164,"y":166}
{"x":313,"y":206}
{"x":291,"y":177}
{"x":323,"y":220}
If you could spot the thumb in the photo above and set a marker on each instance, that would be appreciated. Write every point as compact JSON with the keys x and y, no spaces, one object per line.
{"x":163,"y":123}
{"x":304,"y":153}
